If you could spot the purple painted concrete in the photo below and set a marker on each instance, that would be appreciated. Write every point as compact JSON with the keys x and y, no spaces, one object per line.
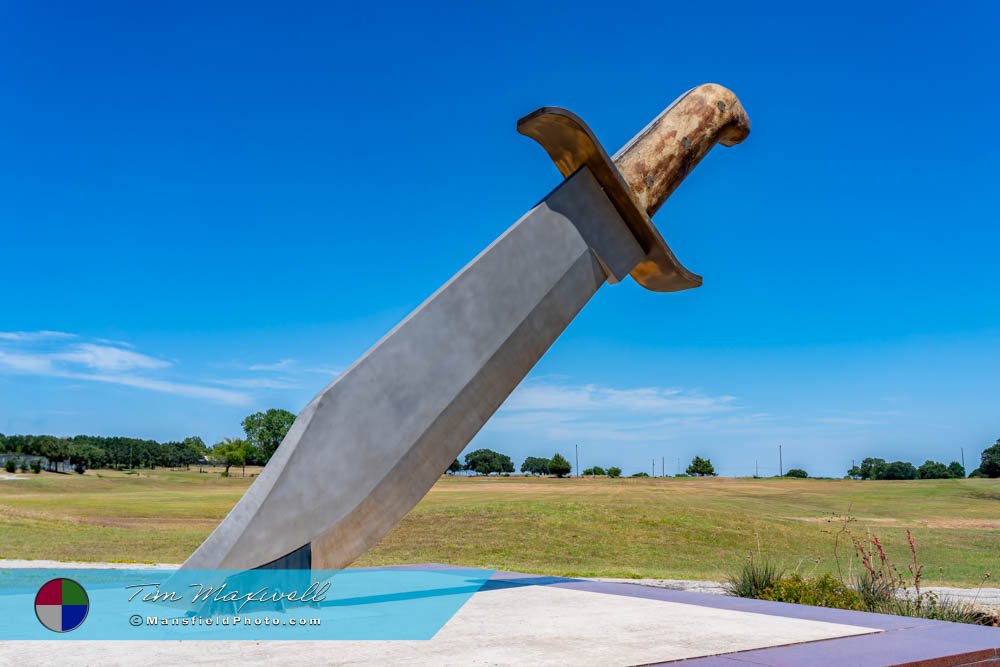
{"x":903,"y":640}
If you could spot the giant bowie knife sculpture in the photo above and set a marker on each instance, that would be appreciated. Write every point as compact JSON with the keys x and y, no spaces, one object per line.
{"x":374,"y":441}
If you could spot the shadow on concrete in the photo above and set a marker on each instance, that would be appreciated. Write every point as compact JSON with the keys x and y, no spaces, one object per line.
{"x":490,"y":585}
{"x":517,"y":582}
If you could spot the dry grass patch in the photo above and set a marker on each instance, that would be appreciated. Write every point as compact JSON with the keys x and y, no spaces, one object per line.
{"x":660,"y":528}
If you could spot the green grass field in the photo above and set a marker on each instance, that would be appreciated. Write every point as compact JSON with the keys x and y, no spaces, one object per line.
{"x":671,"y":528}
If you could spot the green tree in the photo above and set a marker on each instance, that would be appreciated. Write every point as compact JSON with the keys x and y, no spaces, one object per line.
{"x":10,"y":465}
{"x":251,"y":454}
{"x":701,"y":467}
{"x":455,"y":467}
{"x":86,"y":455}
{"x":596,"y":471}
{"x":536,"y":465}
{"x":872,"y":468}
{"x":56,"y":450}
{"x":990,"y":461}
{"x":266,"y":430}
{"x":189,"y":451}
{"x":854,"y":472}
{"x":898,"y":470}
{"x":614,"y":471}
{"x":559,"y":466}
{"x":797,"y":472}
{"x":486,"y":461}
{"x":229,"y":452}
{"x":956,"y":470}
{"x":640,"y":474}
{"x":933,"y":470}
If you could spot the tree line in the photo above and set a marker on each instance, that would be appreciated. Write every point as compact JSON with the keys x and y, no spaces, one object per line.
{"x":876,"y":468}
{"x":263,"y":432}
{"x":95,"y":451}
{"x":487,"y":462}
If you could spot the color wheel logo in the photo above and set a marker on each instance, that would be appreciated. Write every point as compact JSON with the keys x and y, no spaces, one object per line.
{"x":61,"y":605}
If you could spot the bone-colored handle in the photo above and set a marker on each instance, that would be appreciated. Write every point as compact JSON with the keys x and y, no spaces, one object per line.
{"x":657,"y":159}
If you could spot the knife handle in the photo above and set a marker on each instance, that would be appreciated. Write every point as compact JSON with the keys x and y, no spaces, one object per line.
{"x":657,"y":159}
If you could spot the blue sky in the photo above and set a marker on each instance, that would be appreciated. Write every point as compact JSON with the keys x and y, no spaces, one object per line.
{"x":211,"y":210}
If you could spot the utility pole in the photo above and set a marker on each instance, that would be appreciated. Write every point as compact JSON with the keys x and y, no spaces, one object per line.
{"x":663,"y":466}
{"x":654,"y":467}
{"x":678,"y":465}
{"x":781,"y":468}
{"x":756,"y":469}
{"x":577,"y":461}
{"x":962,"y":449}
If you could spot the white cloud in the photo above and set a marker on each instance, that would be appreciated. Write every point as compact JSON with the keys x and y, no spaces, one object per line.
{"x":564,"y":412}
{"x":26,"y":363}
{"x":323,"y":370}
{"x":107,"y":358}
{"x":116,"y":343}
{"x":34,"y":335}
{"x":47,"y":354}
{"x":282,"y":365}
{"x":285,"y":374}
{"x":167,"y":387}
{"x":257,"y":383}
{"x":860,"y":418}
{"x":658,"y":400}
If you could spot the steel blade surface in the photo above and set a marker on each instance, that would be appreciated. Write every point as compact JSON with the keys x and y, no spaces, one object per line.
{"x":373,"y":442}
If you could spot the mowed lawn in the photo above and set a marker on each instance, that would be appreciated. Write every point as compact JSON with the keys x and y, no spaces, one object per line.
{"x":670,"y":528}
